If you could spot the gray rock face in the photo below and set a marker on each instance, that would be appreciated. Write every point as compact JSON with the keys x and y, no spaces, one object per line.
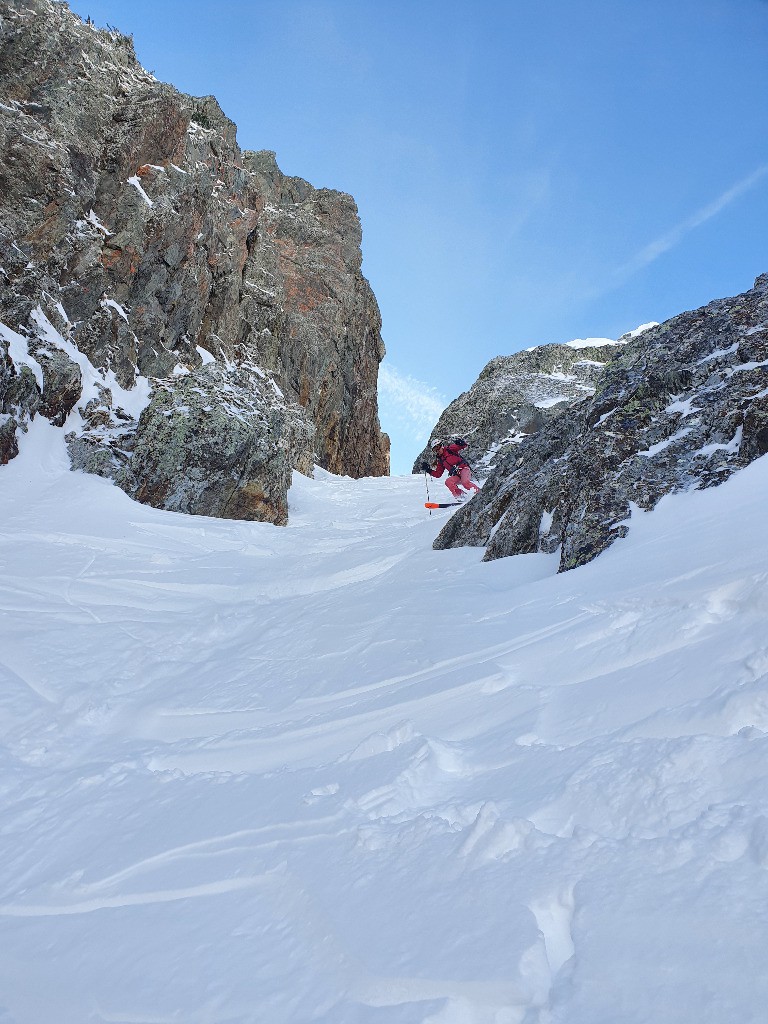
{"x":20,"y":398}
{"x":517,"y":395}
{"x":682,"y":406}
{"x":236,"y":439}
{"x":62,"y":383}
{"x":311,"y":316}
{"x":132,"y":225}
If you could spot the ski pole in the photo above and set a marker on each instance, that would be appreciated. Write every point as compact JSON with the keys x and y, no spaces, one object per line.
{"x":426,"y":484}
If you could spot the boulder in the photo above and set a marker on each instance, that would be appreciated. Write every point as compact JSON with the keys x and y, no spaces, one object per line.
{"x":215,"y":442}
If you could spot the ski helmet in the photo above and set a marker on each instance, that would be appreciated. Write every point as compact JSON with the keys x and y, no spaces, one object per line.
{"x":437,"y":443}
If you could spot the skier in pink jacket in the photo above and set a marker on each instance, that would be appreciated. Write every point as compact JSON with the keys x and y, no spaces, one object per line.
{"x":448,"y":459}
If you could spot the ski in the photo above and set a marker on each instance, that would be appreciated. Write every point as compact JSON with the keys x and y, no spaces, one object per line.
{"x":442,"y":504}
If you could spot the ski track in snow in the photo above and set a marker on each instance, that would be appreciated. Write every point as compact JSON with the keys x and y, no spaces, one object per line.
{"x":326,"y":774}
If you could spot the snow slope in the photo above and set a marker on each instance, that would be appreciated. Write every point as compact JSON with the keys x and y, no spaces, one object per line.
{"x":325,"y":773}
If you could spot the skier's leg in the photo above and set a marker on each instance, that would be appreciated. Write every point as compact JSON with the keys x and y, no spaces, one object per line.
{"x":452,"y":483}
{"x":465,"y":475}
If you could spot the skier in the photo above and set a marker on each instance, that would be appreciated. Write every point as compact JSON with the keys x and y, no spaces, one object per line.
{"x":448,"y":459}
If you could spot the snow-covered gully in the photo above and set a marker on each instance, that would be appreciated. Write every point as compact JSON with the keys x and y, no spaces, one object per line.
{"x":324,"y":773}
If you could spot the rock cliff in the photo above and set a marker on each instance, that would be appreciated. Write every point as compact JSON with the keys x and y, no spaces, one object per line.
{"x":196,"y":320}
{"x":516,"y":395}
{"x":681,"y":406}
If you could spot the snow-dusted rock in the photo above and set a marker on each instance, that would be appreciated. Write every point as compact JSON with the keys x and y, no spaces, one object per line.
{"x":517,"y":395}
{"x":62,"y":383}
{"x":215,"y":442}
{"x":137,"y":229}
{"x":20,"y":395}
{"x":681,"y":406}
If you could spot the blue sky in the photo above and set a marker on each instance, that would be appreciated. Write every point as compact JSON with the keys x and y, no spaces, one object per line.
{"x":526,"y":172}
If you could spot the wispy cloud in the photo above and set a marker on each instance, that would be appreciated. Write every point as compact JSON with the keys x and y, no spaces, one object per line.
{"x":671,"y":238}
{"x":415,"y":406}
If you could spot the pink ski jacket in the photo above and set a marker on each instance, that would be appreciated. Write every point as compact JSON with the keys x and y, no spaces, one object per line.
{"x":448,"y":459}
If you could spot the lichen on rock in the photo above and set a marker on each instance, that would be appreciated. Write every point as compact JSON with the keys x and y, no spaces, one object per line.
{"x":155,"y":246}
{"x":683,"y":405}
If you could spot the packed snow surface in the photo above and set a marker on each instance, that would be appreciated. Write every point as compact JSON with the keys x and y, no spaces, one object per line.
{"x":327,"y":774}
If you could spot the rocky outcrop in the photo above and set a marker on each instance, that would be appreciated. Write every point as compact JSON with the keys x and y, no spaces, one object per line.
{"x":133,"y":226}
{"x":313,"y":317}
{"x":517,"y":395}
{"x":21,"y":387}
{"x":682,"y":406}
{"x":210,"y":421}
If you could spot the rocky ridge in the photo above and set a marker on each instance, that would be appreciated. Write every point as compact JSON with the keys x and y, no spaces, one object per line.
{"x":153,"y":275}
{"x":683,"y":405}
{"x":517,"y":395}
